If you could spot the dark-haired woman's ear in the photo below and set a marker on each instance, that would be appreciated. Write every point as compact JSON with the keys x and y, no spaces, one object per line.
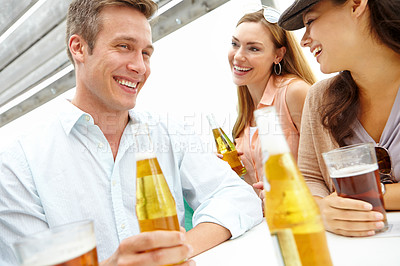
{"x":359,"y":7}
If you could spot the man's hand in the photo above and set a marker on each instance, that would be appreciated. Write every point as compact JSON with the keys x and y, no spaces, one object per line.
{"x":152,"y":249}
{"x":349,"y":217}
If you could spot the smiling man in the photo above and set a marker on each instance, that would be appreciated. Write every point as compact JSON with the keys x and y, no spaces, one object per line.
{"x":79,"y":163}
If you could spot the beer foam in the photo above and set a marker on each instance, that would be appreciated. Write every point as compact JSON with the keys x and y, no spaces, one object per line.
{"x":145,"y":155}
{"x":353,"y":170}
{"x":61,"y":253}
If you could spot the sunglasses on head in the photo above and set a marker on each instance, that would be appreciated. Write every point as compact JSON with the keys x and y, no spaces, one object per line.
{"x":270,"y":14}
{"x":385,"y":165}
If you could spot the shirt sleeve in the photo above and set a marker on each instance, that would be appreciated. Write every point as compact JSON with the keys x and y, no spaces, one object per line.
{"x":21,"y":212}
{"x":216,"y":192}
{"x":314,"y":140}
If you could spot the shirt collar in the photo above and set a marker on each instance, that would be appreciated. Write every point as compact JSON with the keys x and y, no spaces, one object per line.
{"x":69,"y":115}
{"x":133,"y":117}
{"x":270,"y":91}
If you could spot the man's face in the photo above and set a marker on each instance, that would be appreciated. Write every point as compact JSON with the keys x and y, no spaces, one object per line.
{"x":112,"y":76}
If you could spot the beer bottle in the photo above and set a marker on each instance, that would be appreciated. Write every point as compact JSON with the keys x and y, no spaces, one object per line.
{"x":288,"y":201}
{"x":226,"y":148}
{"x":155,"y":205}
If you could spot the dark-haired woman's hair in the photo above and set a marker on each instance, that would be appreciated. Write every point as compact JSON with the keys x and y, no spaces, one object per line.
{"x":341,"y":99}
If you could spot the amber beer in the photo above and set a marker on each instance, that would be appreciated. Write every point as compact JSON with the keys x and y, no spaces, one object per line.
{"x":155,"y":206}
{"x":288,"y":201}
{"x":354,"y":172}
{"x":87,"y":259}
{"x":361,"y":182}
{"x":226,"y":148}
{"x":289,"y":204}
{"x":68,"y":245}
{"x":64,"y":258}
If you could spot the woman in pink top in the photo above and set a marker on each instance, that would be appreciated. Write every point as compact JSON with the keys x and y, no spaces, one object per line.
{"x":269,"y":68}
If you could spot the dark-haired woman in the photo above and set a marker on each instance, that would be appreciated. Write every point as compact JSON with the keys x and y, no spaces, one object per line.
{"x":361,"y":40}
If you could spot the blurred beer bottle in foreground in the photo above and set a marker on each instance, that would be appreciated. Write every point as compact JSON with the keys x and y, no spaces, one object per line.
{"x":288,"y":201}
{"x":226,"y":147}
{"x":155,"y":205}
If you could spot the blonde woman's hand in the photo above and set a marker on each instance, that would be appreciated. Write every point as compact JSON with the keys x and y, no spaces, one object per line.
{"x":349,"y":217}
{"x":260,"y":185}
{"x":221,"y":156}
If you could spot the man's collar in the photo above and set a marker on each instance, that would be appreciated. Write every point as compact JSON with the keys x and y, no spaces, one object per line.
{"x":69,"y":115}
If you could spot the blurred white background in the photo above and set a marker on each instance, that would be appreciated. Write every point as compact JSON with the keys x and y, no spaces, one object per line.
{"x":190,"y":75}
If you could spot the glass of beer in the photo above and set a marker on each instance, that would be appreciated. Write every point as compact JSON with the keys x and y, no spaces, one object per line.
{"x":355,"y":174}
{"x":67,"y":245}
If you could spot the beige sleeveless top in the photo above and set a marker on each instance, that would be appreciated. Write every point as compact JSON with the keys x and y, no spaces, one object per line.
{"x":274,"y":95}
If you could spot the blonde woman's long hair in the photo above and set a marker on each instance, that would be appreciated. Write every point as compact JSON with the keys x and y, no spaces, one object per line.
{"x":293,"y":63}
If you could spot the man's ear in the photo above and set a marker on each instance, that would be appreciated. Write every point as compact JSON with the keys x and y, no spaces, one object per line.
{"x":359,"y":7}
{"x":77,"y":47}
{"x":280,"y":53}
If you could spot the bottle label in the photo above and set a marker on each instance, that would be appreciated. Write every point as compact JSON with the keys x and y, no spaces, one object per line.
{"x":285,"y":247}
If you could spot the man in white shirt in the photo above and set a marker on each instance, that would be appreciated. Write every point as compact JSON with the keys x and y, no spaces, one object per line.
{"x":80,"y":163}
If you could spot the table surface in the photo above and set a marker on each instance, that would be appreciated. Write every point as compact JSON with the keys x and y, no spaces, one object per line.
{"x":255,"y":248}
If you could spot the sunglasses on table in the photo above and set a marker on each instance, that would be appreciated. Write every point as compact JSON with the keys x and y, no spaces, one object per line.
{"x":385,"y":165}
{"x":270,"y":14}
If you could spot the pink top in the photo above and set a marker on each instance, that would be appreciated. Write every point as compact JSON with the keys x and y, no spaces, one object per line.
{"x":274,"y":95}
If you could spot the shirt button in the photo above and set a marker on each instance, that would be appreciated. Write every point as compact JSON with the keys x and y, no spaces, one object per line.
{"x":101,"y":145}
{"x":123,"y":226}
{"x":113,"y":182}
{"x":87,"y":118}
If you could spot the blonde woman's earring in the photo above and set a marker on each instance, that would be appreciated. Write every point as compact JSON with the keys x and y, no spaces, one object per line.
{"x":278,"y":69}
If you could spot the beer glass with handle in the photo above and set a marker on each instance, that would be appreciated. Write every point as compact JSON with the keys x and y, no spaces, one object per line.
{"x":155,"y":205}
{"x":355,"y":174}
{"x":289,"y":206}
{"x":67,"y":245}
{"x":226,"y":148}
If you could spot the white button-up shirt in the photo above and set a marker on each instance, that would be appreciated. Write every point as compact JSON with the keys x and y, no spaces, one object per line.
{"x":64,"y":171}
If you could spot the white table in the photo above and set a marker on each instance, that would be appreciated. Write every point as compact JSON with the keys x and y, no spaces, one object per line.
{"x":255,"y":248}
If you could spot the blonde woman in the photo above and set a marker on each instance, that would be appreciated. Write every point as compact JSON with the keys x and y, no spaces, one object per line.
{"x":268,"y":68}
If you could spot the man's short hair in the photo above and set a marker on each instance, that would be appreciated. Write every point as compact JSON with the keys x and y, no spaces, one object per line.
{"x":83,"y":17}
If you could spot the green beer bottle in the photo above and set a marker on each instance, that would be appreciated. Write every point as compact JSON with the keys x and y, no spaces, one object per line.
{"x":226,"y":148}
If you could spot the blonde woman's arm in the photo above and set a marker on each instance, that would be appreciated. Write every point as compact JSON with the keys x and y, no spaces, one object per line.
{"x":295,"y":96}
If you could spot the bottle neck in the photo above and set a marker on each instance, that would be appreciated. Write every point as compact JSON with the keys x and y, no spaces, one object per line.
{"x":211,"y":121}
{"x":270,"y":133}
{"x":144,"y":145}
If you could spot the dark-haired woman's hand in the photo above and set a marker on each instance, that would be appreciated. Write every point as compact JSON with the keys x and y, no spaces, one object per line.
{"x":349,"y":217}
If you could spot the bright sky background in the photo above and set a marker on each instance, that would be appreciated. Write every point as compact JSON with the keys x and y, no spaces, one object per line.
{"x":190,"y":74}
